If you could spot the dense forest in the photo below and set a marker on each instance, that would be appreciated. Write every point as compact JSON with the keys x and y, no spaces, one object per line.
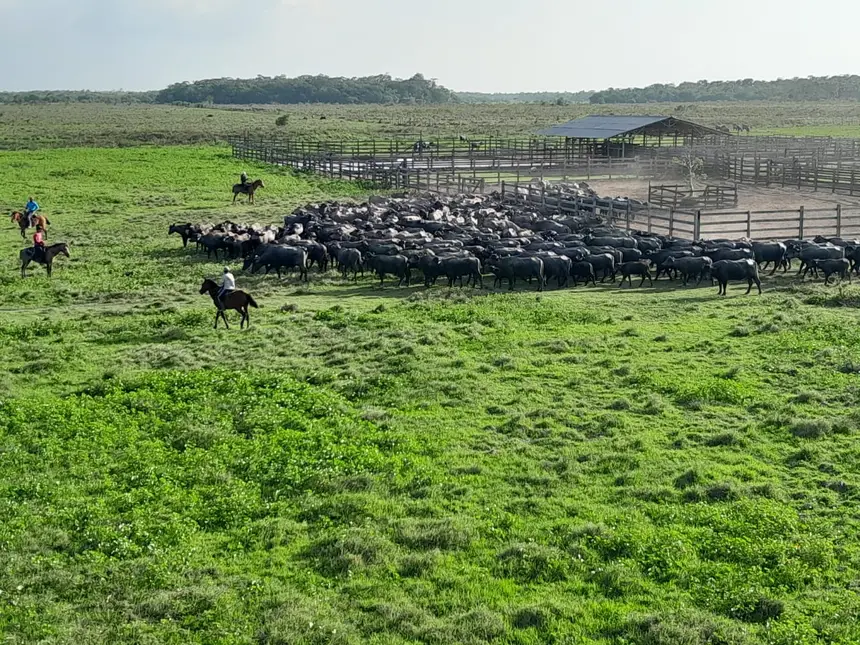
{"x":308,"y":89}
{"x":813,"y":88}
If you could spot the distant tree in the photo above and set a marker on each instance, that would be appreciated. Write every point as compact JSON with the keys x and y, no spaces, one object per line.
{"x":281,"y":121}
{"x":308,"y":89}
{"x":692,"y":168}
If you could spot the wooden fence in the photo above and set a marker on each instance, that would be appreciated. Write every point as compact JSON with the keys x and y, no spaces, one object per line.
{"x":377,"y":175}
{"x":800,"y":223}
{"x":835,"y":177}
{"x":681,"y":196}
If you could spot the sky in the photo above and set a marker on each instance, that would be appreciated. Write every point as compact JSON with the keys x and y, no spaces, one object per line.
{"x":466,"y":45}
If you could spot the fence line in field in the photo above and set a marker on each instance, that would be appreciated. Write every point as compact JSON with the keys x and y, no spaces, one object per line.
{"x":798,"y":223}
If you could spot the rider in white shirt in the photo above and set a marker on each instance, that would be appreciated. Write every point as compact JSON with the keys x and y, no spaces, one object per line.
{"x":227,"y":285}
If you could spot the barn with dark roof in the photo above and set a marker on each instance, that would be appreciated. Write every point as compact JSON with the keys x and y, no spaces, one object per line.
{"x":626,"y":136}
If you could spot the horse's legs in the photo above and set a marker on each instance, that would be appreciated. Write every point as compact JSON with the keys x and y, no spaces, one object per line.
{"x":235,"y":195}
{"x":24,"y":265}
{"x":217,"y":315}
{"x":48,"y":267}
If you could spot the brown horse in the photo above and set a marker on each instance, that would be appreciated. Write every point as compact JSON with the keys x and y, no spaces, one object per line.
{"x":51,"y":252}
{"x":238,"y":300}
{"x":247,"y":189}
{"x":38,"y":220}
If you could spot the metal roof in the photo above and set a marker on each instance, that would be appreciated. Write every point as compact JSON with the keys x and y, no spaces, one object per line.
{"x":607,"y":127}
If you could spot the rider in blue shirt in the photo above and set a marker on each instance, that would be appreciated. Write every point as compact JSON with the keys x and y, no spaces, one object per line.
{"x":29,"y":209}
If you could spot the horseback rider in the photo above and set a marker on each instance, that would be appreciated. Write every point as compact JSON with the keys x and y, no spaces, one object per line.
{"x":243,"y":179}
{"x":228,"y":285}
{"x":29,"y":210}
{"x":39,"y":245}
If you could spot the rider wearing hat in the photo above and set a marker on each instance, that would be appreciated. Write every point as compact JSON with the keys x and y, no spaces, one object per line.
{"x":228,"y":285}
{"x":243,"y":179}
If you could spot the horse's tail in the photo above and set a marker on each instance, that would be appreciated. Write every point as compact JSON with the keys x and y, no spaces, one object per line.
{"x":252,"y":302}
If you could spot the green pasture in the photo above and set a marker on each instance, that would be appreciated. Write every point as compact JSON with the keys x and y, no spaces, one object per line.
{"x":60,"y":125}
{"x":597,"y":465}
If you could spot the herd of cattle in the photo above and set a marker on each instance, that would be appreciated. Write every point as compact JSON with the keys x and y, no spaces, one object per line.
{"x":470,"y":237}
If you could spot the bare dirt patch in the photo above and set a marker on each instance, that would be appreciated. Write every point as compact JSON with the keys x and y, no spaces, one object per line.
{"x":753,"y":198}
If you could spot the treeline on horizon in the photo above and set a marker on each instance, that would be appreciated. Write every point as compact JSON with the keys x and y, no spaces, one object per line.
{"x":812,"y":88}
{"x":383,"y":89}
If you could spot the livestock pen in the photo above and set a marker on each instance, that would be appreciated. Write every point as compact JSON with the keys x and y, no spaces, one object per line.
{"x":778,"y":224}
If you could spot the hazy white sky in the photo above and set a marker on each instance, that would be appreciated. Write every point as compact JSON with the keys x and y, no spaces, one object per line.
{"x":479,"y":45}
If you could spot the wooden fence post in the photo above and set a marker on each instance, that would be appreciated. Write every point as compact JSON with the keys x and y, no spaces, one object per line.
{"x":697,"y":226}
{"x":671,"y":222}
{"x":800,"y":223}
{"x":749,"y":225}
{"x":503,"y":191}
{"x":627,"y":216}
{"x":838,"y":220}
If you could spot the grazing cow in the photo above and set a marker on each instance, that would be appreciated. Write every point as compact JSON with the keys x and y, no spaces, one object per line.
{"x":726,"y":270}
{"x":602,"y":262}
{"x":558,"y":267}
{"x":280,"y":257}
{"x":841,"y":267}
{"x":629,"y":269}
{"x":350,"y":260}
{"x":455,"y":268}
{"x":517,"y":267}
{"x":770,"y":252}
{"x":396,"y":265}
{"x":814,"y":252}
{"x":690,"y":266}
{"x":582,"y":270}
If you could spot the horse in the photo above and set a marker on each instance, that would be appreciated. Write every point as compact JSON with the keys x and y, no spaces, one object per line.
{"x":238,"y":300}
{"x":247,"y":189}
{"x":51,"y":252}
{"x":38,"y":220}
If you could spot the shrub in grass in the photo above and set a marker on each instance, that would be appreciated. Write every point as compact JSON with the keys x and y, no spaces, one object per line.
{"x":352,"y":550}
{"x":722,"y":492}
{"x":688,"y":479}
{"x":725,"y":439}
{"x":443,"y":534}
{"x":620,"y":404}
{"x":415,"y":565}
{"x":530,"y":562}
{"x":810,"y":428}
{"x":739,"y":332}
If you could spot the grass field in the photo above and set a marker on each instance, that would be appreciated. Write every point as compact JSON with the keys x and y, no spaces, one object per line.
{"x":654,"y":466}
{"x":39,"y":126}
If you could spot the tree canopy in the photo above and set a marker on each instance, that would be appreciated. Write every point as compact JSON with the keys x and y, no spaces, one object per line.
{"x":813,"y":88}
{"x":307,"y":89}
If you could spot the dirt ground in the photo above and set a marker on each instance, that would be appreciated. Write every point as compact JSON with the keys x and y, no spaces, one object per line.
{"x":753,"y":198}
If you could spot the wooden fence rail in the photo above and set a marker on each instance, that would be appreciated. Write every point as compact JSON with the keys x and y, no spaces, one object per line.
{"x":799,"y":223}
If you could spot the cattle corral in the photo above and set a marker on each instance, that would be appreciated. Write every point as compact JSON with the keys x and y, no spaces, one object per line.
{"x":772,"y":187}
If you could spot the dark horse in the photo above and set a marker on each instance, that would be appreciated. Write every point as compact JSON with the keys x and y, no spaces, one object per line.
{"x":51,"y":252}
{"x":238,"y":300}
{"x":247,"y":189}
{"x":38,"y":220}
